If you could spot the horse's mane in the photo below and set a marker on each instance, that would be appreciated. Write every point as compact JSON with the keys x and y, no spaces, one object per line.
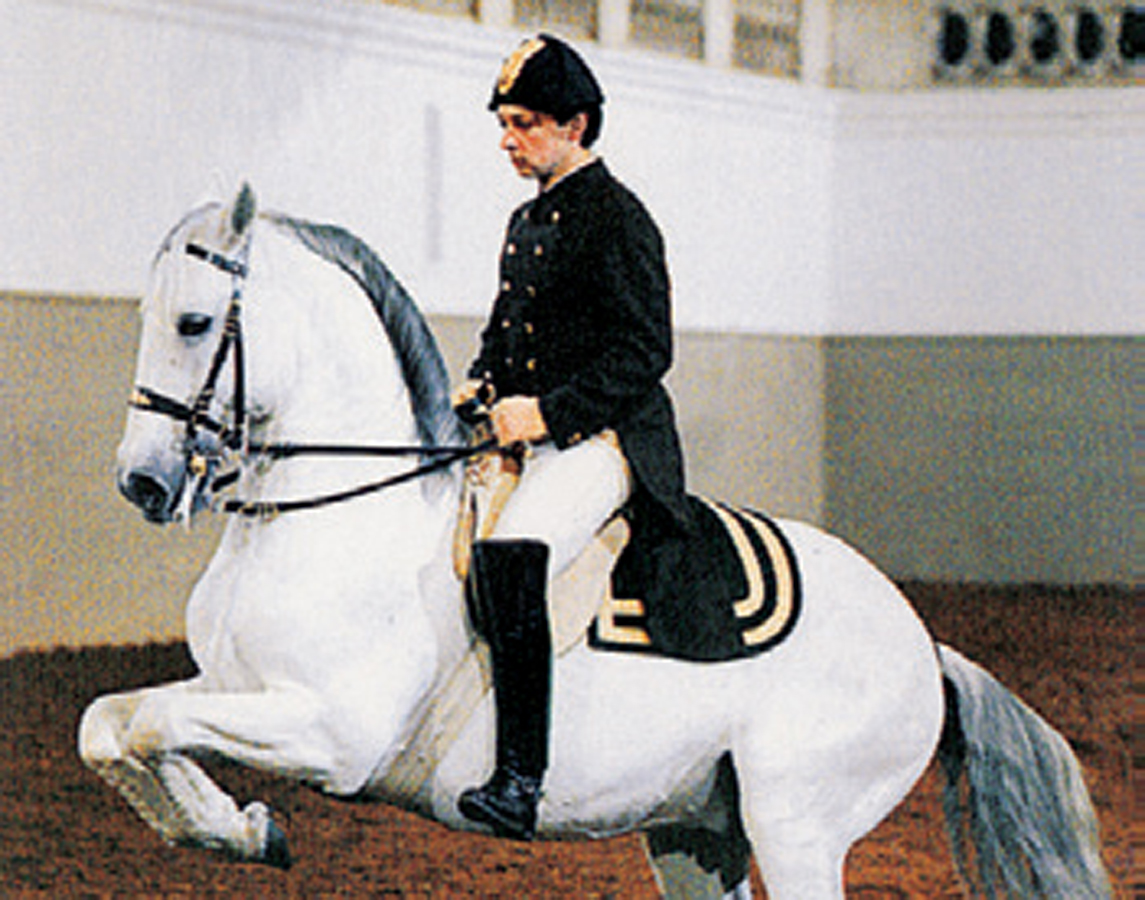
{"x":418,"y":355}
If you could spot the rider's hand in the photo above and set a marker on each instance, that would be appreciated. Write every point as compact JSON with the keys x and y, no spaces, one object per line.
{"x":465,"y":392}
{"x":518,"y":420}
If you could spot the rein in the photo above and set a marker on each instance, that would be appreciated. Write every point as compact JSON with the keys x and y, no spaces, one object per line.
{"x":201,"y":462}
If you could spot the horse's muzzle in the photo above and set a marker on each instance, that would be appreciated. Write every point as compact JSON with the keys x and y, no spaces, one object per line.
{"x":147,"y":490}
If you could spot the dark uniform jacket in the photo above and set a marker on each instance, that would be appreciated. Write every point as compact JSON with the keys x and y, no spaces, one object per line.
{"x":583,"y":321}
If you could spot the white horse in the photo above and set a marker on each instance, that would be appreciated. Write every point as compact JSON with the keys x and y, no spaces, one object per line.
{"x":334,"y":648}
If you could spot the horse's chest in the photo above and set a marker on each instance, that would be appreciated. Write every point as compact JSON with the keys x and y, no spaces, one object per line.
{"x":278,"y":597}
{"x":226,"y":620}
{"x":214,"y":640}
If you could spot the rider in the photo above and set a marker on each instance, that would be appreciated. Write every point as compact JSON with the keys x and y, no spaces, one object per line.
{"x":571,"y":365}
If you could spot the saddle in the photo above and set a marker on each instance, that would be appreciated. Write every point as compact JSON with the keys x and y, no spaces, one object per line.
{"x":728,"y":590}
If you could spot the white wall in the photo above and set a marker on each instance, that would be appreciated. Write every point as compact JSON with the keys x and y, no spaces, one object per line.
{"x":997,"y":212}
{"x":128,"y":113}
{"x":788,"y":210}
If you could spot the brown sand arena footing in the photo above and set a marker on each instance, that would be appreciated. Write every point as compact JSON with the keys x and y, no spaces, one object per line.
{"x":63,"y":833}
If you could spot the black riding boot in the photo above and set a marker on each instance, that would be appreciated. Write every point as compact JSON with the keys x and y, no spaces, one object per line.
{"x":509,"y":584}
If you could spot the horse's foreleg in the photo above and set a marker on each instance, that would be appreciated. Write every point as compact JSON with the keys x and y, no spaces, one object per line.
{"x":292,"y":732}
{"x":170,"y":792}
{"x":101,"y":748}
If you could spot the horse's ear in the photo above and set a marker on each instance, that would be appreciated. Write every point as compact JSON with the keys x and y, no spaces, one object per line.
{"x":243,"y":211}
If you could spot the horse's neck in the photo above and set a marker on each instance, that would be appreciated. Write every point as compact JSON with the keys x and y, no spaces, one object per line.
{"x":320,"y":369}
{"x":327,"y":373}
{"x":332,"y":366}
{"x":319,"y":350}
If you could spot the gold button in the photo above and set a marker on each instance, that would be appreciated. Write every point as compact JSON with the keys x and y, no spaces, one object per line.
{"x":574,"y":438}
{"x":531,"y":291}
{"x":511,"y":249}
{"x":509,"y":361}
{"x":539,"y":250}
{"x":531,"y":365}
{"x":506,"y":323}
{"x":556,"y":217}
{"x":528,"y":328}
{"x":506,"y":286}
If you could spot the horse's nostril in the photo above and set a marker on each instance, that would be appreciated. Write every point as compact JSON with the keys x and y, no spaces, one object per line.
{"x":149,"y":494}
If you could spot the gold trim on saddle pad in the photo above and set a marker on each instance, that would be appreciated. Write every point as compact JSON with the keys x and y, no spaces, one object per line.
{"x":752,"y":604}
{"x":611,"y":619}
{"x":763,"y":616}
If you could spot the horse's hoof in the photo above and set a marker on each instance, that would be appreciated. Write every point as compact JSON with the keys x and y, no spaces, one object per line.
{"x":277,"y":851}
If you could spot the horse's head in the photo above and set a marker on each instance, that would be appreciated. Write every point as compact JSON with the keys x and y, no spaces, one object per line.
{"x":230,"y":287}
{"x":190,"y":347}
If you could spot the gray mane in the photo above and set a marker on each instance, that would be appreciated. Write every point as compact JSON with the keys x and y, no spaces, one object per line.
{"x":418,"y":355}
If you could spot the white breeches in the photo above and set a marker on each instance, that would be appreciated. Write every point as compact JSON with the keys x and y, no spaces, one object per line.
{"x":565,"y":497}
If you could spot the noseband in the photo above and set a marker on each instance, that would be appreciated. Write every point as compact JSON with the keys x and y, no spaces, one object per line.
{"x":203,"y":460}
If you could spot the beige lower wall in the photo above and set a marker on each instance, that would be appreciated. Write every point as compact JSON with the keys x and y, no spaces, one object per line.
{"x":969,"y":459}
{"x":1004,"y":459}
{"x":78,"y":565}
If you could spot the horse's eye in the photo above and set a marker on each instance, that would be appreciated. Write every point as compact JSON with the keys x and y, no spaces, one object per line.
{"x":193,"y":324}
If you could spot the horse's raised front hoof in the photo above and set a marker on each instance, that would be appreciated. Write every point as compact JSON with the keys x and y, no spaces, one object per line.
{"x":267,"y":842}
{"x":276,"y":851}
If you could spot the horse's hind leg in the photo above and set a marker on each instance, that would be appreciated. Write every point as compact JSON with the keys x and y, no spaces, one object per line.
{"x":696,"y":864}
{"x":801,"y":870}
{"x":712,"y":860}
{"x":171,"y":793}
{"x":801,"y":851}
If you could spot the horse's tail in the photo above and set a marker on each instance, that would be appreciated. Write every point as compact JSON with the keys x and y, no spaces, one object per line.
{"x":1017,"y":809}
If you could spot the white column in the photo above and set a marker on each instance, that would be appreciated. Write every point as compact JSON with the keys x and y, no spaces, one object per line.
{"x":613,"y":20}
{"x":496,"y":13}
{"x":817,"y":42}
{"x":719,"y":32}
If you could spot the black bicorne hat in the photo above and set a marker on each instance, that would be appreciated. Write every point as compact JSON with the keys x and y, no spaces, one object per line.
{"x":546,"y":75}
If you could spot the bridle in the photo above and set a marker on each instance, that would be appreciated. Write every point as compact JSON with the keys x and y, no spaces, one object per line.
{"x":205,"y":457}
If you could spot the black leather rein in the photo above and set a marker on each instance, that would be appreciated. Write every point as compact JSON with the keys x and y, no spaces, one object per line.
{"x":196,"y":418}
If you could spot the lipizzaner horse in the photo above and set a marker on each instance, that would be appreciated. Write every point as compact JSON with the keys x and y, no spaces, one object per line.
{"x":333,"y":645}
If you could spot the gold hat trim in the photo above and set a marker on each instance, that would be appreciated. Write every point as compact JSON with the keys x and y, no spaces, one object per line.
{"x":511,"y":71}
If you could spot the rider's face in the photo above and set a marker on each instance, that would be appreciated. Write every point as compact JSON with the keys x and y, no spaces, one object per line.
{"x":539,"y":147}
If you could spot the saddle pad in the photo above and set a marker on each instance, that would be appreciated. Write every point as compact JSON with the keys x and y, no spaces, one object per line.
{"x":728,"y":591}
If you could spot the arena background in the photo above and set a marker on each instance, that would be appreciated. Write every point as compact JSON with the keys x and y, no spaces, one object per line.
{"x":908,"y":284}
{"x":907,"y":296}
